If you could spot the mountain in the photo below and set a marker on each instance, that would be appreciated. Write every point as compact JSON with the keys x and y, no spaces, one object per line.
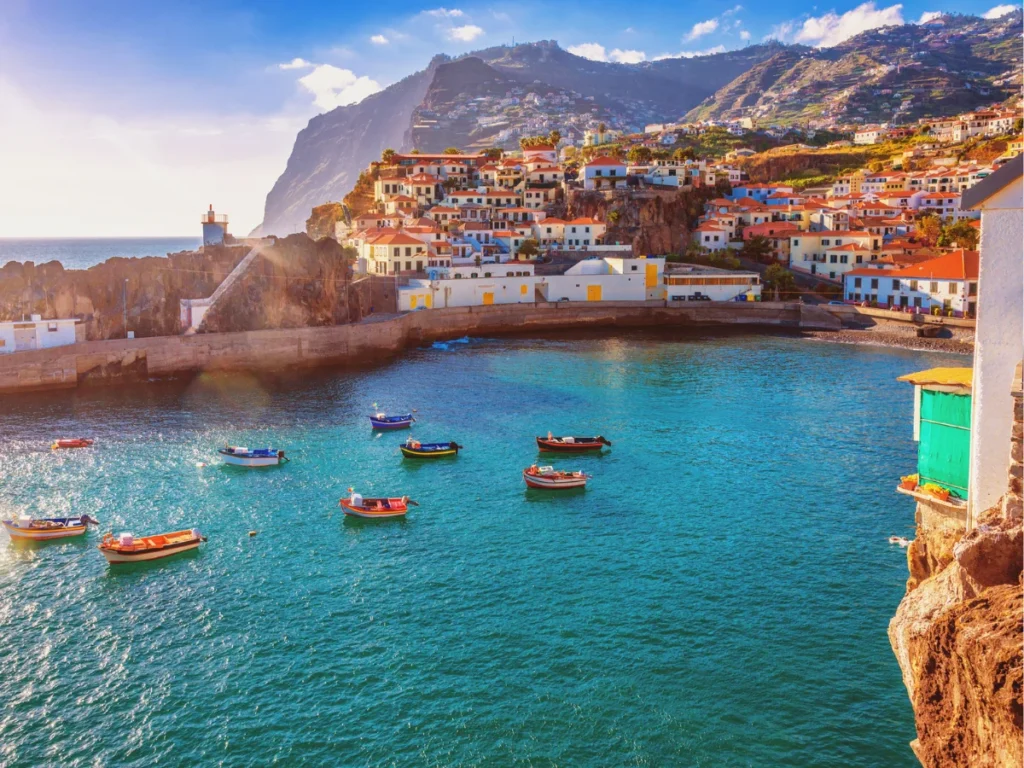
{"x":489,"y":98}
{"x":896,"y":74}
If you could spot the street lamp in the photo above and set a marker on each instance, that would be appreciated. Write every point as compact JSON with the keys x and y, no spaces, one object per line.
{"x":124,"y":303}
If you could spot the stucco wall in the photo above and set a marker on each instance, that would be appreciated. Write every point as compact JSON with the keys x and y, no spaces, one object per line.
{"x":368,"y":342}
{"x":998,"y":344}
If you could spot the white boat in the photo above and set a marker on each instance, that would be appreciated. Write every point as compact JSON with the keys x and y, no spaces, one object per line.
{"x":251,"y":457}
{"x":551,"y":479}
{"x":28,"y":528}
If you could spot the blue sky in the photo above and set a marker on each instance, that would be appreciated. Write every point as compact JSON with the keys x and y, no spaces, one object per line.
{"x":130,"y":117}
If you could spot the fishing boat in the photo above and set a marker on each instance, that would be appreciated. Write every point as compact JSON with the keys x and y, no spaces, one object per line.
{"x":551,"y":479}
{"x":375,"y":509}
{"x":71,"y":442}
{"x":41,"y":529}
{"x":414,"y":449}
{"x":572,"y":444}
{"x":251,"y":457}
{"x":383,"y":421}
{"x":125,"y":548}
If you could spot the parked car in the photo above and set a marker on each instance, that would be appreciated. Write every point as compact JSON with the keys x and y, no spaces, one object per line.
{"x":838,"y":302}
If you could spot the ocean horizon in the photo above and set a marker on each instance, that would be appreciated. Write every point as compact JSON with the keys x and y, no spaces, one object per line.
{"x":85,"y":252}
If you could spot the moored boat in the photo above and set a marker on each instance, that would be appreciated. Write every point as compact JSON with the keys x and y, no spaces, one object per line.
{"x":375,"y":508}
{"x":125,"y":548}
{"x":251,"y":457}
{"x":551,"y":479}
{"x":414,"y":449}
{"x":71,"y":442}
{"x":383,"y":421}
{"x":41,"y":529}
{"x":572,"y":444}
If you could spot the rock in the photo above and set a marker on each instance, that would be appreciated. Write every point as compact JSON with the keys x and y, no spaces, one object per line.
{"x":992,"y":555}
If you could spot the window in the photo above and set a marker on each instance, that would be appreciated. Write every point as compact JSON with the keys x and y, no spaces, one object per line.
{"x":933,"y":287}
{"x":895,"y":285}
{"x":408,"y":266}
{"x":843,"y":259}
{"x":832,"y":259}
{"x":51,"y":327}
{"x":633,"y":268}
{"x":972,"y":289}
{"x":874,"y":283}
{"x":856,"y":282}
{"x":951,"y":288}
{"x":913,"y":287}
{"x":826,"y":242}
{"x":917,"y":301}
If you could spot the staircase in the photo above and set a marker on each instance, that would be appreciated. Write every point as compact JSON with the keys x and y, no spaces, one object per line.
{"x":194,"y":310}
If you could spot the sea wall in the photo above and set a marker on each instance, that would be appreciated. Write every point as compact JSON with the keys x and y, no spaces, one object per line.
{"x":125,"y":360}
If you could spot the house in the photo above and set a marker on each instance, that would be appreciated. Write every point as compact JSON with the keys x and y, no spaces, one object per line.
{"x":396,"y":252}
{"x":947,"y":285}
{"x":711,"y":237}
{"x":685,"y":281}
{"x":604,"y":173}
{"x":813,"y":252}
{"x":1000,"y":328}
{"x":607,"y":279}
{"x":511,"y":282}
{"x":868,"y":135}
{"x":36,"y":333}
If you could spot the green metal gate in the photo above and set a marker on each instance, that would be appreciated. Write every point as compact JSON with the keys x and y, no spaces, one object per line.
{"x":945,"y":447}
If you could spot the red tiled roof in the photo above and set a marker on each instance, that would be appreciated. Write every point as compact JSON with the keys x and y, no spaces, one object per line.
{"x":958,"y":265}
{"x":398,"y":238}
{"x":605,"y":160}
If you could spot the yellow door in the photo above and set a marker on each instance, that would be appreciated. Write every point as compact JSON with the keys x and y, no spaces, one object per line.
{"x":593,"y":293}
{"x":428,"y":301}
{"x":652,"y":275}
{"x":412,"y":301}
{"x":488,"y":298}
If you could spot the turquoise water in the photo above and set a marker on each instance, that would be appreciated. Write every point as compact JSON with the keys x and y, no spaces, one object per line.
{"x":719,"y":595}
{"x":84,"y":252}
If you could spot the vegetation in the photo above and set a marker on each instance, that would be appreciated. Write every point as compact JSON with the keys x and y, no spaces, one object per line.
{"x":928,"y":229}
{"x":758,"y":248}
{"x":452,"y":151}
{"x":532,"y":141}
{"x":388,"y":156}
{"x":529,"y":247}
{"x":639,"y":155}
{"x":779,"y":281}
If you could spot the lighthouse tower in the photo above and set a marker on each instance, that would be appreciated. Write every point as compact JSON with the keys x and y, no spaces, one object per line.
{"x":215,"y":227}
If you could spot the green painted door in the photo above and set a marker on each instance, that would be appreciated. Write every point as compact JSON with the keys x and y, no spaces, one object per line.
{"x":945,"y":448}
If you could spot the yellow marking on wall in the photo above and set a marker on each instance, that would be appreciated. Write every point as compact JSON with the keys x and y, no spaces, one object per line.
{"x":522,"y":289}
{"x":428,"y":301}
{"x":488,"y":298}
{"x":652,"y":275}
{"x":412,"y":301}
{"x":593,"y":293}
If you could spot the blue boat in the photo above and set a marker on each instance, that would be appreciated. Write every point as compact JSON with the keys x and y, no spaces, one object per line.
{"x":383,"y":421}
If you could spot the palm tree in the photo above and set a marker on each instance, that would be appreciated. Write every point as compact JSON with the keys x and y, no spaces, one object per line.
{"x":388,"y":156}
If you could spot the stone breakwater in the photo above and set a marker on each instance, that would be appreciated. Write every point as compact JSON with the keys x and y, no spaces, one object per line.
{"x":132,"y":360}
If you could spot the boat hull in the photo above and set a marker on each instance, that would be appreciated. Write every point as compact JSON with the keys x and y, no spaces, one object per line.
{"x":413,"y":453}
{"x":553,"y":484}
{"x":372,"y":514}
{"x":553,"y":446}
{"x":250,"y":461}
{"x":385,"y":425}
{"x":114,"y":557}
{"x":71,"y":443}
{"x":44,"y":534}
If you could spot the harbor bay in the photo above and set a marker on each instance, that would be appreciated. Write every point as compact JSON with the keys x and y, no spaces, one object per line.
{"x":718,"y":595}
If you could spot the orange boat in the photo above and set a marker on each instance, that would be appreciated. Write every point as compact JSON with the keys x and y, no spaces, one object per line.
{"x":127,"y":549}
{"x":72,"y":442}
{"x":375,"y":509}
{"x":572,"y":444}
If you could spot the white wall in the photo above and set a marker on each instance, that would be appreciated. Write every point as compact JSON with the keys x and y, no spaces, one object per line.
{"x":468,"y":292}
{"x":998,"y":343}
{"x":40,"y":331}
{"x":629,"y":287}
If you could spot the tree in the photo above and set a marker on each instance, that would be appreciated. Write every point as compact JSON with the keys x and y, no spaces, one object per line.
{"x":758,"y":248}
{"x":554,"y":137}
{"x":875,"y":166}
{"x":529,"y":248}
{"x":601,"y":128}
{"x":928,"y":229}
{"x":452,"y":151}
{"x":779,"y":280}
{"x":570,"y":152}
{"x":683,"y":154}
{"x":639,"y":155}
{"x":494,"y":153}
{"x":388,"y":156}
{"x":959,"y":234}
{"x":1018,"y":125}
{"x":414,"y":152}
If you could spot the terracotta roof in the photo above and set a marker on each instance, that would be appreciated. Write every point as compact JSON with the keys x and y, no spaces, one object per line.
{"x":958,"y":265}
{"x":397,"y":238}
{"x":605,"y":160}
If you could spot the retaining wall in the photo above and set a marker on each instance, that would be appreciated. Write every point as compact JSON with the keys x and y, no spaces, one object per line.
{"x":126,"y":360}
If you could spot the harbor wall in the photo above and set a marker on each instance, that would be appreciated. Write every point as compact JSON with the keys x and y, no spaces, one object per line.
{"x":132,"y":360}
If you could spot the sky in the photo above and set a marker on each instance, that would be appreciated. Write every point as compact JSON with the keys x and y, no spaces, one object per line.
{"x":130,"y":118}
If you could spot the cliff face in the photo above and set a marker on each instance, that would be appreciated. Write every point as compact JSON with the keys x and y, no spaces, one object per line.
{"x":155,"y":287}
{"x":957,"y":633}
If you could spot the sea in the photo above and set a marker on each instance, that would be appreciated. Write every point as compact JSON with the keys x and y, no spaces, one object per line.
{"x":717,"y":596}
{"x":84,"y":252}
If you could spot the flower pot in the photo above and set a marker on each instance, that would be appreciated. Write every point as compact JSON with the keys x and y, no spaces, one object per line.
{"x":909,"y":485}
{"x":942,"y":495}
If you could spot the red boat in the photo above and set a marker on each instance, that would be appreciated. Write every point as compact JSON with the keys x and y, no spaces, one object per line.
{"x":71,"y":442}
{"x":572,"y":444}
{"x":551,"y":479}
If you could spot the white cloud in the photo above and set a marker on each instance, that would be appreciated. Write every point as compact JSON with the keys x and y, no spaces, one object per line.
{"x":592,"y":51}
{"x":744,"y":35}
{"x":780,"y":31}
{"x":832,"y":28}
{"x":466,"y":33}
{"x":734,"y":10}
{"x":999,"y":11}
{"x":335,"y":87}
{"x":627,"y":56}
{"x":928,"y":16}
{"x":379,"y":40}
{"x":444,"y":13}
{"x":691,"y":54}
{"x":702,"y":28}
{"x":296,"y":63}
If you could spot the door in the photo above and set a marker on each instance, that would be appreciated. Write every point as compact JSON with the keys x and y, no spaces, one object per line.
{"x":488,"y":298}
{"x":593,"y":293}
{"x":24,"y":336}
{"x":652,"y":275}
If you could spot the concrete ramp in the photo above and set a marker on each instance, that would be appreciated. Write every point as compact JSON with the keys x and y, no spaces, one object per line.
{"x":194,"y":310}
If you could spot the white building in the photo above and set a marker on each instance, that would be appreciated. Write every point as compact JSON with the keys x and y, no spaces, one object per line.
{"x":1000,"y":329}
{"x":606,"y":279}
{"x":687,"y":282}
{"x":604,"y":173}
{"x":511,"y":282}
{"x":37,"y":333}
{"x":948,"y":283}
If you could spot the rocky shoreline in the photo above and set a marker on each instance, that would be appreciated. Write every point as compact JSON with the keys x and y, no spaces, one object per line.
{"x":959,"y":341}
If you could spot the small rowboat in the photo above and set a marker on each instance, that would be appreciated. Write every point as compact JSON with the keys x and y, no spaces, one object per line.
{"x":41,"y":529}
{"x":127,"y":549}
{"x":550,"y":479}
{"x":251,"y":457}
{"x":375,"y":509}
{"x":71,"y":442}
{"x":383,"y":421}
{"x":414,"y":449}
{"x":572,"y":444}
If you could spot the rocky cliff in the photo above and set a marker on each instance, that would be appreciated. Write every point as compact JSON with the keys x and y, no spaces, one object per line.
{"x":957,"y":633}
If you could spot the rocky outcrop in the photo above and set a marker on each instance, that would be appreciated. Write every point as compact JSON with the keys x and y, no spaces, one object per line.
{"x":957,"y":633}
{"x":97,"y":295}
